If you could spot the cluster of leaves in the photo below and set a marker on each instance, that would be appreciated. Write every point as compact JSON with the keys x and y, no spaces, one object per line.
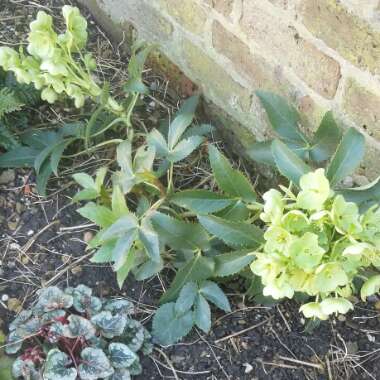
{"x":13,"y":98}
{"x":317,"y":243}
{"x":44,"y":148}
{"x":294,"y":154}
{"x":56,"y":64}
{"x":72,"y":334}
{"x":146,"y":225}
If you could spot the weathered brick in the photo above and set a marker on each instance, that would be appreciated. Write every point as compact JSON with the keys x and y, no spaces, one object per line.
{"x":155,"y":26}
{"x":227,"y":44}
{"x":206,"y":71}
{"x":280,"y":3}
{"x":286,"y":46}
{"x":222,"y":6}
{"x":343,"y":31}
{"x":370,"y":164}
{"x":363,"y":107}
{"x":188,"y":13}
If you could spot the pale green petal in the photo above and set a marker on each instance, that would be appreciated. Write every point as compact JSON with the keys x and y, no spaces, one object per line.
{"x":333,"y":305}
{"x":313,"y":310}
{"x":315,"y":190}
{"x":370,"y":287}
{"x":273,"y":207}
{"x":329,"y":276}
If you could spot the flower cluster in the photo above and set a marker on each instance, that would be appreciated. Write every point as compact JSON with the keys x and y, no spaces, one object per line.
{"x":317,"y":243}
{"x":56,"y":63}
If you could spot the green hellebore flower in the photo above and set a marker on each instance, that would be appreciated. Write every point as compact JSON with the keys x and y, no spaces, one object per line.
{"x":266,"y":267}
{"x":273,"y":207}
{"x":333,"y":305}
{"x":315,"y":189}
{"x":313,"y":310}
{"x":278,"y":288}
{"x":49,"y":95}
{"x":55,"y":65}
{"x":56,"y":82}
{"x":295,"y":221}
{"x":42,"y":38}
{"x":277,"y":239}
{"x":77,"y":94}
{"x":306,"y":252}
{"x":370,"y":287}
{"x":345,"y":216}
{"x":75,"y":37}
{"x":9,"y":58}
{"x":329,"y":276}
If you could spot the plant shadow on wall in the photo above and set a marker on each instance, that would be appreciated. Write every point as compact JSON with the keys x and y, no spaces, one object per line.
{"x":312,"y":239}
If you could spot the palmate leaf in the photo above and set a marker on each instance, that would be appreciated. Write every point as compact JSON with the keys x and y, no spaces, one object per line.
{"x":100,"y":215}
{"x":168,"y":326}
{"x":326,"y":139}
{"x":197,"y":269}
{"x":262,"y":152}
{"x":23,"y":156}
{"x":202,"y":313}
{"x":237,"y":212}
{"x":182,"y":120}
{"x":288,"y":163}
{"x":123,"y":272}
{"x":347,"y":157}
{"x":230,"y":263}
{"x":235,"y":234}
{"x":148,"y":269}
{"x":283,"y":117}
{"x":184,"y":148}
{"x":201,"y":201}
{"x":211,"y":291}
{"x":186,"y":298}
{"x":231,"y":181}
{"x":178,"y":234}
{"x":362,"y":194}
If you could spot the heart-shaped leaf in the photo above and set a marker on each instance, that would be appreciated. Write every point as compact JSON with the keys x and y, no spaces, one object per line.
{"x":109,"y":325}
{"x":95,"y":364}
{"x":120,"y":355}
{"x":57,"y":366}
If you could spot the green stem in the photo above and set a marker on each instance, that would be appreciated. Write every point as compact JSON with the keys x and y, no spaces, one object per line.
{"x":114,"y":141}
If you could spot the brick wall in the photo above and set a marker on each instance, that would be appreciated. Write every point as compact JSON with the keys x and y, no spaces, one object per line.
{"x":320,"y":54}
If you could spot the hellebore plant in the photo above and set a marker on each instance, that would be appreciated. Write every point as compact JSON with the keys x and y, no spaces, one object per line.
{"x":56,"y":63}
{"x":317,"y":243}
{"x":73,"y":335}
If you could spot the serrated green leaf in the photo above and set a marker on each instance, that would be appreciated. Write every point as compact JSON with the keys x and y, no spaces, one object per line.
{"x":288,"y":163}
{"x":234,"y":234}
{"x":347,"y":157}
{"x":85,"y":195}
{"x":178,"y":234}
{"x":326,"y":139}
{"x":201,"y":201}
{"x":120,"y":355}
{"x":237,"y":212}
{"x":57,"y":153}
{"x":231,"y":181}
{"x":156,"y":140}
{"x":230,"y":263}
{"x":100,"y":215}
{"x":211,"y":291}
{"x":186,"y":298}
{"x":168,"y":326}
{"x":148,"y":269}
{"x":124,"y":270}
{"x":184,"y":148}
{"x":43,"y":178}
{"x":202,"y":314}
{"x":199,"y":130}
{"x":197,"y":269}
{"x":104,"y":253}
{"x":182,"y":120}
{"x":94,"y":364}
{"x":370,"y":192}
{"x":121,"y":226}
{"x":149,"y":238}
{"x":22,"y":156}
{"x":84,"y":180}
{"x":123,"y":247}
{"x":262,"y":152}
{"x":283,"y":117}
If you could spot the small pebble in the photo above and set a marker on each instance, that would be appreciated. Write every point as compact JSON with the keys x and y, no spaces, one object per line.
{"x":87,"y":236}
{"x":248,"y":368}
{"x":30,"y":233}
{"x":5,"y":297}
